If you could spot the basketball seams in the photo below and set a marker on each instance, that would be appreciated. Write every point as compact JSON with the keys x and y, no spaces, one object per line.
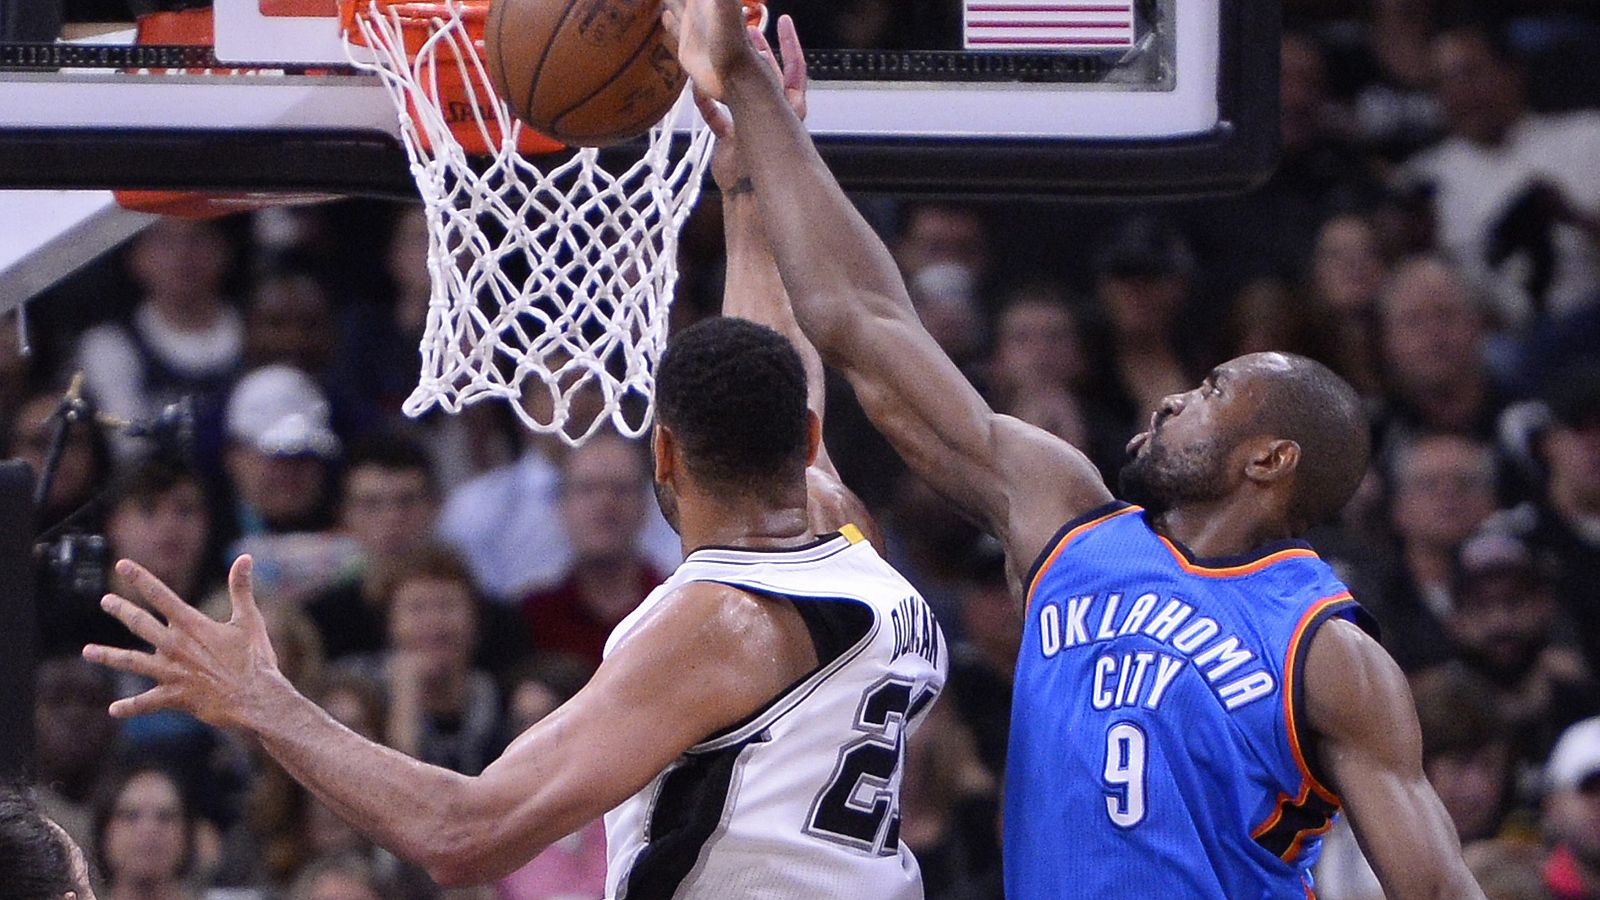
{"x":544,"y":56}
{"x":497,"y":16}
{"x":651,"y":38}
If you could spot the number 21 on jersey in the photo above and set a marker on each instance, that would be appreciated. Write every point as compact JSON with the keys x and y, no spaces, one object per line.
{"x":1126,"y":750}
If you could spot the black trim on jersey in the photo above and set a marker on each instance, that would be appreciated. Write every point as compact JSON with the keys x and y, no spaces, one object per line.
{"x":809,"y":545}
{"x":1312,"y":816}
{"x":1351,"y":611}
{"x":835,"y":626}
{"x":1061,"y":533}
{"x":685,"y":816}
{"x":1229,"y":562}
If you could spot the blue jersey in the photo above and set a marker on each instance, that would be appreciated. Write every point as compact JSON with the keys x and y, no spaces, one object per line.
{"x":1157,"y":744}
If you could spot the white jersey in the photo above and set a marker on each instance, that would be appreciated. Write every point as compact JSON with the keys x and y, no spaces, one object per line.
{"x":803,"y":799}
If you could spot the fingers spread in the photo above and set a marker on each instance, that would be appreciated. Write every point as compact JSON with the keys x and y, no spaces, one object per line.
{"x":152,"y":591}
{"x":132,"y":661}
{"x":157,"y":698}
{"x":136,"y":619}
{"x":240,"y":595}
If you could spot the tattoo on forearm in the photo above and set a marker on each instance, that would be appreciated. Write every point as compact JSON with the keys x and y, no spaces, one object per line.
{"x":742,"y":186}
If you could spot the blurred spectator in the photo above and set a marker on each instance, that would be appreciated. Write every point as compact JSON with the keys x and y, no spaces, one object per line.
{"x":1572,"y":814}
{"x":1143,"y":281}
{"x":1039,"y":372}
{"x":602,"y":509}
{"x":1348,"y":272}
{"x":935,"y":233}
{"x":336,"y":878}
{"x":574,"y":866}
{"x":1502,"y":627}
{"x":1269,"y":314}
{"x":84,"y":464}
{"x":157,"y":516}
{"x":183,"y":339}
{"x":1443,"y":487}
{"x":290,"y":321}
{"x":280,"y":460}
{"x":1507,"y":869}
{"x":1518,"y":195}
{"x":505,"y":522}
{"x":148,"y":842}
{"x":1384,"y":65}
{"x":1565,"y":520}
{"x":440,"y":709}
{"x":1467,"y":749}
{"x":949,"y":811}
{"x":388,"y":502}
{"x":38,"y":860}
{"x":1467,"y":756}
{"x":1433,"y":352}
{"x":74,"y":736}
{"x":945,"y":295}
{"x":984,"y":661}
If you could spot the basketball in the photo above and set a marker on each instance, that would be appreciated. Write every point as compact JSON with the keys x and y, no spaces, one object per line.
{"x":585,"y":72}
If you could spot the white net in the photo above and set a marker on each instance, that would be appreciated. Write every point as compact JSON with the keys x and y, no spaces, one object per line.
{"x":551,"y":287}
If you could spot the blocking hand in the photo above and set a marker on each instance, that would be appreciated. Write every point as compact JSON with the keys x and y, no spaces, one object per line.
{"x":710,"y":35}
{"x":726,"y":165}
{"x":211,"y":670}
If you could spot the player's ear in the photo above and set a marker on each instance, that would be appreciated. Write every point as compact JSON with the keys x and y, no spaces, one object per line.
{"x":1273,"y":461}
{"x":661,"y":450}
{"x":813,"y":437}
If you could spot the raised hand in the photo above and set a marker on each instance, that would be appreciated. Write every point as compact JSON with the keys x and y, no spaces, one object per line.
{"x":211,"y":670}
{"x":711,"y":41}
{"x":726,"y":168}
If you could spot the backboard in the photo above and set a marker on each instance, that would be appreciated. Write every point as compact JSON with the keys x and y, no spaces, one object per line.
{"x":957,"y":97}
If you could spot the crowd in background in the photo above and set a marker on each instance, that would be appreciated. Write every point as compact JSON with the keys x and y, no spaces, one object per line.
{"x":1433,"y":234}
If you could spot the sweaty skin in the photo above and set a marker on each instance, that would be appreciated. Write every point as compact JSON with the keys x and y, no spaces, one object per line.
{"x":705,"y":658}
{"x":1023,"y":483}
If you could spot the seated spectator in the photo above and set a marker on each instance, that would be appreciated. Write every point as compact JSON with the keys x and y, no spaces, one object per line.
{"x":1502,"y":628}
{"x":1517,"y":193}
{"x":439,"y":708}
{"x":950,"y":810}
{"x":602,"y":510}
{"x":336,"y":878}
{"x":1507,"y":869}
{"x":1387,"y":73}
{"x":1434,"y":359}
{"x":290,"y":321}
{"x":1565,"y":519}
{"x":74,"y":737}
{"x":157,"y":516}
{"x":1348,"y":271}
{"x":1143,"y":282}
{"x":85,"y":457}
{"x":574,"y":866}
{"x":388,"y":501}
{"x":1572,"y":814}
{"x":504,"y":522}
{"x":280,"y":462}
{"x":984,"y":660}
{"x":148,"y":842}
{"x":38,"y":860}
{"x":184,"y":338}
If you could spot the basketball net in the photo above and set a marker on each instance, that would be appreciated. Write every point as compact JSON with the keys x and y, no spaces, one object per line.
{"x":553,"y":280}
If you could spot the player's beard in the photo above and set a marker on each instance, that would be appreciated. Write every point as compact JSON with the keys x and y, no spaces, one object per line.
{"x":1161,"y":478}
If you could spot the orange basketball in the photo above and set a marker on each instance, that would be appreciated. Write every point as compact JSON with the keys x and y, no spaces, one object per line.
{"x":585,"y":72}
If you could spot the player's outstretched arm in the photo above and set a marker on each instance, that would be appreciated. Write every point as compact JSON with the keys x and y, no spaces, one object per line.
{"x":754,"y":290}
{"x":849,"y":297}
{"x":703,"y":659}
{"x":1369,"y":743}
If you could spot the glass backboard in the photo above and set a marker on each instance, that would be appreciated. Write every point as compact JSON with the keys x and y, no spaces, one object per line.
{"x":968,"y":97}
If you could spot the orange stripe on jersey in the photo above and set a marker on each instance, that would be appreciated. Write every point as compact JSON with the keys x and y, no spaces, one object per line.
{"x":1289,"y":686}
{"x":1067,"y":539}
{"x":1235,"y":571}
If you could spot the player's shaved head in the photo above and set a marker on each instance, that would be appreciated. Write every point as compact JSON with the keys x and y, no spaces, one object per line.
{"x":1304,"y":401}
